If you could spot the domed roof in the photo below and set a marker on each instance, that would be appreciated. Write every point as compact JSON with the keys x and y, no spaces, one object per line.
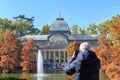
{"x":59,"y":25}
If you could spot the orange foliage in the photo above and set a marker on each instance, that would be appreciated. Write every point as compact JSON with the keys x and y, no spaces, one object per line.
{"x":8,"y":51}
{"x":28,"y":55}
{"x":109,"y":51}
{"x":72,"y":47}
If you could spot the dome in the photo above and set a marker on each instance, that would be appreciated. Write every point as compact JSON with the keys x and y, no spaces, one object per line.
{"x":59,"y":25}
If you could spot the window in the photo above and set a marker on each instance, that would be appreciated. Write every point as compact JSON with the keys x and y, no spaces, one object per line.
{"x":58,"y":39}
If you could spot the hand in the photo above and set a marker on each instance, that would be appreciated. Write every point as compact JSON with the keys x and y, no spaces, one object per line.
{"x":75,"y":54}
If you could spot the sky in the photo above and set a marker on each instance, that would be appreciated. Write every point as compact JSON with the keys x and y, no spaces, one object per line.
{"x":75,"y":12}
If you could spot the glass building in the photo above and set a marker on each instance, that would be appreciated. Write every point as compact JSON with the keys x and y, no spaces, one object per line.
{"x":54,"y":45}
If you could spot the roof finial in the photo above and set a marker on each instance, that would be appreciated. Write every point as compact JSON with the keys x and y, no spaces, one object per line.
{"x":60,"y":14}
{"x":60,"y":18}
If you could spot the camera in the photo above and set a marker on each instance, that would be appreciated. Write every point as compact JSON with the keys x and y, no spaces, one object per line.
{"x":76,"y":52}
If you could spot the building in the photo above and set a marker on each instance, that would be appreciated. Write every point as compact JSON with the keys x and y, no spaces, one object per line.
{"x":54,"y":45}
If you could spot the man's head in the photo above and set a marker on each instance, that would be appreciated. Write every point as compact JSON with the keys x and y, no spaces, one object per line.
{"x":84,"y":46}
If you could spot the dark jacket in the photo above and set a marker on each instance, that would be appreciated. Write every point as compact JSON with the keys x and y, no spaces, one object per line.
{"x":86,"y":66}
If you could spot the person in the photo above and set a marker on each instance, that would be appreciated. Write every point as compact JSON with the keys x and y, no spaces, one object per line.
{"x":85,"y":64}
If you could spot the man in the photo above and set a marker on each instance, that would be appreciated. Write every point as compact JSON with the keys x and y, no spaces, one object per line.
{"x":85,"y":65}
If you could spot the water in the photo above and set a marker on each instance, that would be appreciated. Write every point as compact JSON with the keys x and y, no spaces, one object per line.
{"x":28,"y":76}
{"x":40,"y":74}
{"x":50,"y":76}
{"x":39,"y":63}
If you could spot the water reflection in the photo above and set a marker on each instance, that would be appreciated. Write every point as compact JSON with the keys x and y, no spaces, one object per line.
{"x":56,"y":77}
{"x":50,"y":76}
{"x":27,"y":76}
{"x":24,"y":76}
{"x":39,"y":77}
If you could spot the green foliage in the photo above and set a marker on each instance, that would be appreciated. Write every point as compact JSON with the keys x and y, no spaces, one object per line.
{"x":20,"y":27}
{"x":104,"y":25}
{"x":25,"y":28}
{"x":103,"y":76}
{"x":45,"y":29}
{"x":92,"y":29}
{"x":11,"y":78}
{"x":74,"y":29}
{"x":6,"y":24}
{"x":82,"y":31}
{"x":96,"y":29}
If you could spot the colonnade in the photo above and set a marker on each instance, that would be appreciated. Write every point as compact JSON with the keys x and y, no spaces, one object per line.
{"x":58,"y":56}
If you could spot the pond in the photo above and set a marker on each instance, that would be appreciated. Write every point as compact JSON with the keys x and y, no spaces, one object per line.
{"x":34,"y":77}
{"x":47,"y":76}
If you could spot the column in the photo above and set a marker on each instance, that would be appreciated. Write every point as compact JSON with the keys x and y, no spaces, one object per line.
{"x":48,"y":55}
{"x":64,"y":57}
{"x":54,"y":56}
{"x":45,"y":55}
{"x":59,"y":57}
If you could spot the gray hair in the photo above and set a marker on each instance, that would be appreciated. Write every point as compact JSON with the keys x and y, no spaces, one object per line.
{"x":84,"y":46}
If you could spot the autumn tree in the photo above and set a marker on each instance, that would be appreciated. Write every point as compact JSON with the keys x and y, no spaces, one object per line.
{"x":8,"y":52}
{"x":28,"y":55}
{"x":109,"y":51}
{"x":72,"y":47}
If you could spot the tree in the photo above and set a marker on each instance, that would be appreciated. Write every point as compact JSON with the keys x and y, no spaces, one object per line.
{"x":74,"y":29}
{"x":28,"y":55}
{"x":8,"y":52}
{"x":34,"y":31}
{"x":24,"y":28}
{"x":45,"y":29}
{"x":92,"y":29}
{"x":109,"y":51}
{"x":72,"y":47}
{"x":96,"y":29}
{"x":6,"y":24}
{"x":82,"y":31}
{"x":20,"y":27}
{"x":104,"y":25}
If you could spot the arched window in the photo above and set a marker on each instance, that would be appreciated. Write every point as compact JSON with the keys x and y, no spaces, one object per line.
{"x":58,"y":39}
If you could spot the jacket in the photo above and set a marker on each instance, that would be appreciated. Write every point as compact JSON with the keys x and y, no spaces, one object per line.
{"x":86,"y":66}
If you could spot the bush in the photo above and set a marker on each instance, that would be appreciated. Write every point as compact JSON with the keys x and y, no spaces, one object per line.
{"x":11,"y":78}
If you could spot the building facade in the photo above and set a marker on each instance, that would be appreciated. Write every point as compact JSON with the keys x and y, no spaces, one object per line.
{"x":54,"y":45}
